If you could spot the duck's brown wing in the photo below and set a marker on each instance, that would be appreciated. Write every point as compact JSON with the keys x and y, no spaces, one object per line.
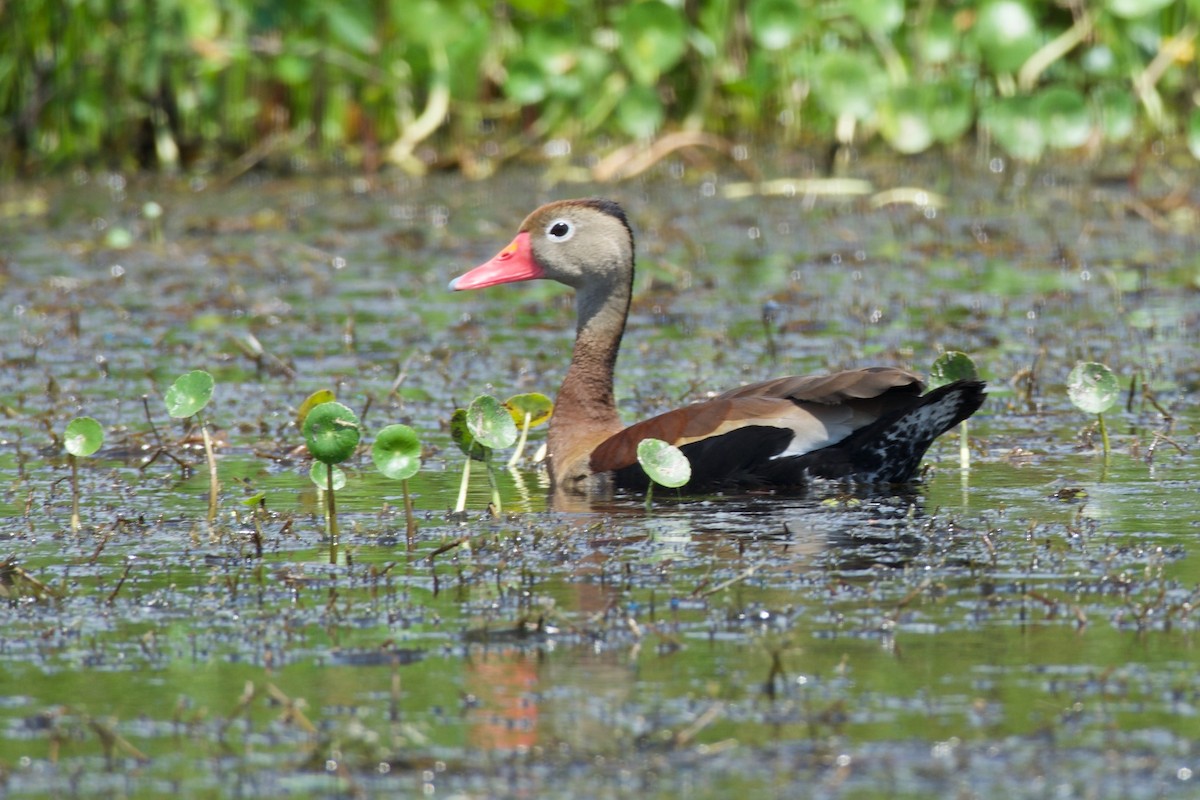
{"x":808,"y":412}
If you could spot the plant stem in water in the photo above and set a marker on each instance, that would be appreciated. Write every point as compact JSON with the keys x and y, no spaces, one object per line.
{"x":461,"y":505}
{"x":411,"y":529}
{"x":74,"y":493}
{"x":331,"y":514}
{"x":964,"y":446}
{"x":213,"y":486}
{"x":516,"y":456}
{"x":491,"y":470}
{"x":1104,"y":435}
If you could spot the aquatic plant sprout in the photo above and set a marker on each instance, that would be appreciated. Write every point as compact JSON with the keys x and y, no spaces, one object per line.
{"x":1093,"y":388}
{"x":331,"y":432}
{"x":397,"y":455}
{"x":492,"y":427}
{"x":82,"y":438}
{"x":187,"y":397}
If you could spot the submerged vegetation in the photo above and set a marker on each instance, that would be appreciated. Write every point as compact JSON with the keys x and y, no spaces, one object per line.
{"x":197,"y":85}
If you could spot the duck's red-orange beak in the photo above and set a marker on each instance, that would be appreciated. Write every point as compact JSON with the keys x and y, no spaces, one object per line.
{"x":513,"y":263}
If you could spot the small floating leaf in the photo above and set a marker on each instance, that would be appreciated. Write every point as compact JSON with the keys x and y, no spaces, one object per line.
{"x":397,"y":452}
{"x":189,"y":394}
{"x":83,"y":436}
{"x":318,"y":473}
{"x":537,"y":406}
{"x":312,"y":401}
{"x":331,"y":432}
{"x":664,"y":463}
{"x":490,"y":423}
{"x":1093,"y":387}
{"x":951,"y":366}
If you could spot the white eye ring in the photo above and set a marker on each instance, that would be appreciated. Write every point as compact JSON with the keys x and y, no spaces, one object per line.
{"x":560,"y":230}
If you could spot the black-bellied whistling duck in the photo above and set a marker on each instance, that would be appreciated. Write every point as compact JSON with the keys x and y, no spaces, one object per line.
{"x":865,"y":425}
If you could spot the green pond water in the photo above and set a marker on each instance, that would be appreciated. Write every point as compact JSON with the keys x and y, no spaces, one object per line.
{"x":1026,"y":628}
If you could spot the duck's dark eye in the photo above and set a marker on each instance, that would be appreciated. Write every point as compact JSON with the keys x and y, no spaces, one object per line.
{"x":560,"y":230}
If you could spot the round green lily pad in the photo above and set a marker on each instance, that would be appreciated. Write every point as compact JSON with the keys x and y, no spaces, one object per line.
{"x":951,"y":366}
{"x":490,"y":423}
{"x":664,"y":463}
{"x":83,"y":436}
{"x":189,"y":394}
{"x":331,"y":432}
{"x":1093,"y":387}
{"x":537,"y":406}
{"x":397,"y":452}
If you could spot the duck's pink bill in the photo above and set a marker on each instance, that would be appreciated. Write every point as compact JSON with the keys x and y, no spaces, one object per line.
{"x":513,"y":263}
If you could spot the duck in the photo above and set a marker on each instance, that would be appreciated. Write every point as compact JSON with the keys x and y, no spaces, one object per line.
{"x":870,"y":425}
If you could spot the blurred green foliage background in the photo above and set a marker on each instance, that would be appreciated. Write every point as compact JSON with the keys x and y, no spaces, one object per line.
{"x":190,"y":84}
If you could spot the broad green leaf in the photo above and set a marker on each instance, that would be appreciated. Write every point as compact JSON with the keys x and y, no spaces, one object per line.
{"x":951,"y":366}
{"x":189,"y":394}
{"x":83,"y":436}
{"x":880,"y":16}
{"x":938,"y":41}
{"x":351,"y":25}
{"x":540,"y":8}
{"x":490,"y":423}
{"x":1093,"y":387}
{"x":653,"y":39}
{"x":318,"y":473}
{"x":847,"y":83}
{"x":312,"y":401}
{"x":904,"y":120}
{"x":397,"y":452}
{"x":1131,"y":9}
{"x":1014,"y":124}
{"x":1117,"y":109}
{"x":292,"y":70}
{"x":537,"y":406}
{"x":777,"y":24}
{"x":952,"y":111}
{"x":429,"y":22}
{"x":524,"y":82}
{"x":664,"y":463}
{"x":1065,"y":117}
{"x":1007,"y":34}
{"x":331,"y":432}
{"x":640,"y":113}
{"x":462,"y":436}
